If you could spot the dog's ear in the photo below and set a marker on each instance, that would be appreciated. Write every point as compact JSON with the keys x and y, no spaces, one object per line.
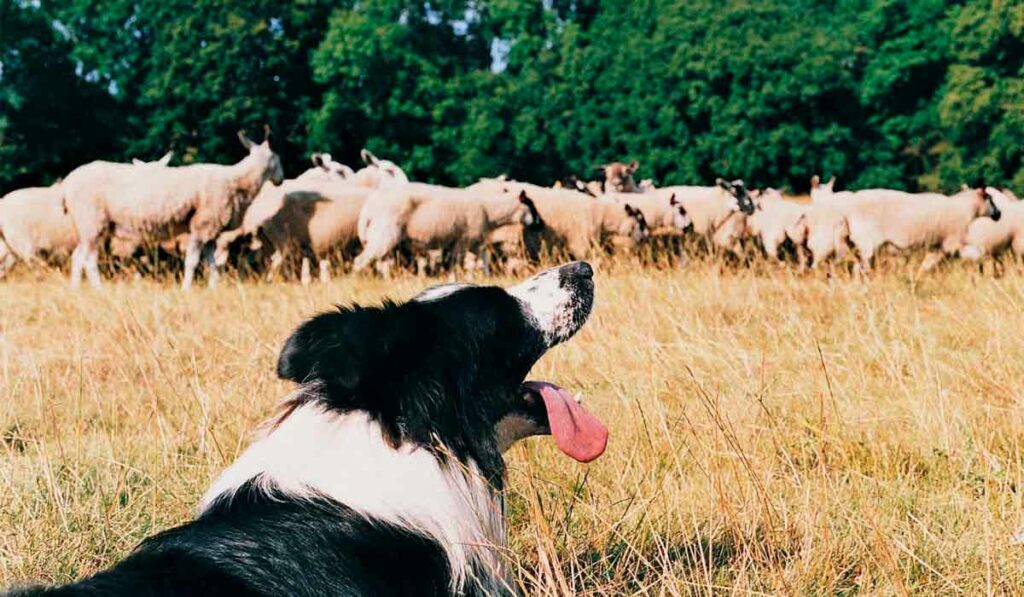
{"x":338,"y":348}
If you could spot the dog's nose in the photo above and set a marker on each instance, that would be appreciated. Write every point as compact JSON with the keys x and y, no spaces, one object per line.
{"x":578,"y":269}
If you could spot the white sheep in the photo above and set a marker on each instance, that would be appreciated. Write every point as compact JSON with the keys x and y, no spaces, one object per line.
{"x":33,"y":222}
{"x":664,"y":216}
{"x":315,"y":219}
{"x":718,"y":213}
{"x":163,"y":202}
{"x":988,"y":237}
{"x":914,"y":220}
{"x":377,"y":172}
{"x":825,"y":231}
{"x":775,"y":220}
{"x":578,"y":223}
{"x":431,"y":217}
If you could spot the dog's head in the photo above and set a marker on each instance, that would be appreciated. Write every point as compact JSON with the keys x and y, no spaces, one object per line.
{"x":446,"y":371}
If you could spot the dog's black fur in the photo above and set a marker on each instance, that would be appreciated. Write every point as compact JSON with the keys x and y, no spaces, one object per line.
{"x":446,"y":369}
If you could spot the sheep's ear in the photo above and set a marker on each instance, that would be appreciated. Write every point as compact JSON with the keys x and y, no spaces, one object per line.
{"x":138,"y":162}
{"x":266,"y":134}
{"x":368,"y":158}
{"x":341,"y":349}
{"x":831,"y":181}
{"x":672,"y":200}
{"x":318,"y":160}
{"x":524,"y":199}
{"x":246,"y":141}
{"x":633,"y":166}
{"x":166,"y":158}
{"x":723,"y":183}
{"x":630,"y":210}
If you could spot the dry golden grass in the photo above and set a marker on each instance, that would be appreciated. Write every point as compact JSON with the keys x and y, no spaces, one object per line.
{"x":770,"y":433}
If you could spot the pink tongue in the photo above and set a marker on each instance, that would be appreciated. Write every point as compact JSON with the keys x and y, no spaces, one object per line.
{"x":578,"y":433}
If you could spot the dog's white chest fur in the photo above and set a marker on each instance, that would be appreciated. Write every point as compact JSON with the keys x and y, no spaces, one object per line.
{"x":344,"y":457}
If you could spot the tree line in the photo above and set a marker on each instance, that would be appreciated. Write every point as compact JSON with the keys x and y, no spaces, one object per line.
{"x":911,"y":94}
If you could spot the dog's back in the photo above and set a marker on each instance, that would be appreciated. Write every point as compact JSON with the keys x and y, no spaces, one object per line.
{"x":260,"y":544}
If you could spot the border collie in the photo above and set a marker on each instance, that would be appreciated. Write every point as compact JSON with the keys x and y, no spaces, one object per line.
{"x":382,"y":474}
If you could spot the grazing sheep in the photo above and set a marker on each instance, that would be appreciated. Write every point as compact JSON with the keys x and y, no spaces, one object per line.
{"x":430,"y":217}
{"x":271,"y":198}
{"x":927,"y":220}
{"x":776,"y":220}
{"x":316,"y":219}
{"x":665,"y":216}
{"x":988,"y":237}
{"x":378,"y":172}
{"x":825,"y":232}
{"x":33,"y":222}
{"x":717,"y":213}
{"x":163,"y":202}
{"x":576,"y":222}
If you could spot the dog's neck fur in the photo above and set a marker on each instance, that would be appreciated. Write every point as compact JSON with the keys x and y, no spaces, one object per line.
{"x":314,"y":452}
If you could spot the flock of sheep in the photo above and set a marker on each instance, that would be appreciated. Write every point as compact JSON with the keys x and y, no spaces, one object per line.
{"x":375,"y":218}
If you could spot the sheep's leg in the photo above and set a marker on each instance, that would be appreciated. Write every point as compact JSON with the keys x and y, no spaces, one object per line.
{"x":325,"y":271}
{"x":210,"y":262}
{"x":192,"y":254}
{"x":92,"y":266}
{"x":421,"y":266}
{"x":276,"y":259}
{"x":305,"y":276}
{"x":78,"y":264}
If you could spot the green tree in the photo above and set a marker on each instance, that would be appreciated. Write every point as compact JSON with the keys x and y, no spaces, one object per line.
{"x":50,"y":116}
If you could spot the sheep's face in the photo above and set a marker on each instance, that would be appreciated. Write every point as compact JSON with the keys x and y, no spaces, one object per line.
{"x":681,"y":220}
{"x":618,"y":177}
{"x":272,"y":169}
{"x":529,"y":217}
{"x":740,"y":199}
{"x":635,"y":224}
{"x":985,"y":206}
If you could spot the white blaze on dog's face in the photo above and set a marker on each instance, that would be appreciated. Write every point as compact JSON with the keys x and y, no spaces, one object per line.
{"x":557,"y":300}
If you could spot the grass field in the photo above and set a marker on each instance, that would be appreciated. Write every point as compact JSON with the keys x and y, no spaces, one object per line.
{"x":770,"y":433}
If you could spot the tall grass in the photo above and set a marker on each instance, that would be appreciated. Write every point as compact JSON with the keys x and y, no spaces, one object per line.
{"x":771,"y":433}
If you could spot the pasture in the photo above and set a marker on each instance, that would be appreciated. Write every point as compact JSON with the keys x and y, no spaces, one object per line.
{"x":772,"y":433}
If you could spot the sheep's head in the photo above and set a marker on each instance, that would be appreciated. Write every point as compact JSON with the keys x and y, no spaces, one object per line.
{"x":740,"y":197}
{"x":636,"y":224}
{"x":332,"y":169}
{"x":530,"y":217}
{"x":264,"y":155}
{"x":818,"y":189}
{"x":985,"y":205}
{"x":681,"y":220}
{"x":379,"y":172}
{"x":618,"y":177}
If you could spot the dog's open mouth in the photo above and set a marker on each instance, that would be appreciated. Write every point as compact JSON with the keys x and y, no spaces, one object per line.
{"x":578,"y":433}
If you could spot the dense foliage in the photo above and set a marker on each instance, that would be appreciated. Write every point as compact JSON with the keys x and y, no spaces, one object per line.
{"x":916,"y":94}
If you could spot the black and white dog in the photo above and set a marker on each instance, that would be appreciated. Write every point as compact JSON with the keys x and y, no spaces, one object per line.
{"x":382,"y":475}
